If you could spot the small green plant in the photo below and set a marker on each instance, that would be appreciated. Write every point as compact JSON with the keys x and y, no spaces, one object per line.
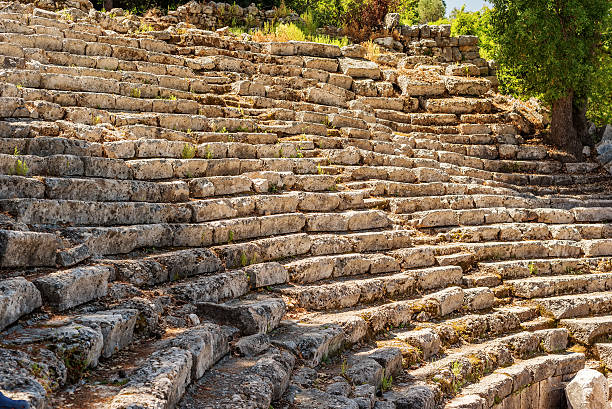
{"x":21,"y":167}
{"x":144,"y":28}
{"x":244,"y":261}
{"x":189,"y":151}
{"x":223,"y":130}
{"x":208,"y":153}
{"x":172,"y":98}
{"x":533,"y":270}
{"x":456,"y":368}
{"x":135,"y":93}
{"x":19,"y":86}
{"x":65,"y":15}
{"x":387,"y":382}
{"x":343,"y":368}
{"x":230,"y":237}
{"x":320,"y":170}
{"x":272,"y":188}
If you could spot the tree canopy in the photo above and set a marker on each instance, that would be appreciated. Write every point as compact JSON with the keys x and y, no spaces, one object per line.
{"x":431,"y":10}
{"x":552,"y":49}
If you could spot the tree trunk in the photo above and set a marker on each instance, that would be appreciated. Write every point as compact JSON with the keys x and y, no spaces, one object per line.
{"x":563,"y":132}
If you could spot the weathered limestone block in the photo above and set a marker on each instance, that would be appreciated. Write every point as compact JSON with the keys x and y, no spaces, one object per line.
{"x":214,"y":288}
{"x":116,"y":326}
{"x":159,"y":383}
{"x":310,"y":342}
{"x":252,"y":345}
{"x":18,"y":297}
{"x":265,"y":274}
{"x":23,"y":248}
{"x":588,"y":390}
{"x":17,"y":382}
{"x":250,"y":316}
{"x":207,"y":343}
{"x":359,"y":68}
{"x":426,"y":339}
{"x":80,"y":343}
{"x":414,"y":87}
{"x":466,"y":86}
{"x":365,"y":370}
{"x":69,"y":288}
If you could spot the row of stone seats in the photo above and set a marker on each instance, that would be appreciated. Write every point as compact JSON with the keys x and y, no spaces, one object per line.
{"x":264,"y":240}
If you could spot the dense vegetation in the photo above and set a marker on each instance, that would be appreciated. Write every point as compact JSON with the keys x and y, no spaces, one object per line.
{"x":553,"y":50}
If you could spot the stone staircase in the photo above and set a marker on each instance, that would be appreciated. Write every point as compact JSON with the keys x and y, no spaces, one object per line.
{"x":191,"y":220}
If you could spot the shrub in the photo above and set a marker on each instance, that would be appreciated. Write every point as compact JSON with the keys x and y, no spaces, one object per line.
{"x":366,"y":16}
{"x":408,"y":11}
{"x":189,"y":151}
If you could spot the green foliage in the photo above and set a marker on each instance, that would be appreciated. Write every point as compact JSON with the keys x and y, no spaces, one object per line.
{"x":387,"y":382}
{"x":295,"y":32}
{"x":476,"y":23}
{"x":550,"y":48}
{"x":431,"y":10}
{"x":600,"y":96}
{"x":189,"y":151}
{"x":21,"y":167}
{"x":408,"y":11}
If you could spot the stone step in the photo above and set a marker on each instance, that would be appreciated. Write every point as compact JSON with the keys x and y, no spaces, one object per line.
{"x":531,"y":249}
{"x":588,"y":330}
{"x":576,"y":306}
{"x":242,"y":383}
{"x":358,"y":324}
{"x":495,"y":134}
{"x":18,"y":297}
{"x":153,"y":148}
{"x":470,"y":328}
{"x":541,"y":267}
{"x":487,"y":151}
{"x":521,"y":230}
{"x":150,"y":169}
{"x":470,"y":363}
{"x":541,"y":379}
{"x":411,"y":190}
{"x":106,"y":82}
{"x":458,"y":105}
{"x":164,"y":376}
{"x":483,"y":200}
{"x":251,"y":315}
{"x":481,"y":216}
{"x":65,"y":289}
{"x":28,"y":249}
{"x":537,"y":287}
{"x":348,"y":293}
{"x":75,"y":48}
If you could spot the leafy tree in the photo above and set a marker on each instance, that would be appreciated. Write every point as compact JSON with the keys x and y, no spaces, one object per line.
{"x":552,"y":49}
{"x":431,"y":10}
{"x":409,"y":12}
{"x":476,"y":23}
{"x":600,"y":96}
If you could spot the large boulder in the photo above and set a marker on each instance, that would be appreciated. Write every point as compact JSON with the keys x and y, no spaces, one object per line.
{"x":588,"y":390}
